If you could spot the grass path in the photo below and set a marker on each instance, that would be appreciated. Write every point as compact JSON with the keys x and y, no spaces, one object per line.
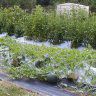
{"x":9,"y":89}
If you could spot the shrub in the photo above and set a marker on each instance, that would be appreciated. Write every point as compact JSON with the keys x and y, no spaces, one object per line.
{"x":42,"y":26}
{"x":13,"y":20}
{"x":2,"y":22}
{"x":55,"y":28}
{"x":91,"y":31}
{"x":37,"y":25}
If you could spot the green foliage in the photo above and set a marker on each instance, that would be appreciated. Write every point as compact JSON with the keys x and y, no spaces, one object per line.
{"x":37,"y":25}
{"x":42,"y":26}
{"x":12,"y":20}
{"x":64,"y":59}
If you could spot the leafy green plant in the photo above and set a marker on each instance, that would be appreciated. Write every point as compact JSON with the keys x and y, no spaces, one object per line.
{"x":61,"y":60}
{"x":42,"y":26}
{"x":12,"y":20}
{"x":37,"y":25}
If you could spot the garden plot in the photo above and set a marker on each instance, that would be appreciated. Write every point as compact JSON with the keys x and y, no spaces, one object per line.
{"x":50,"y":63}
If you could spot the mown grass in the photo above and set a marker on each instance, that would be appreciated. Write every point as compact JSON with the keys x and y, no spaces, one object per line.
{"x":8,"y":89}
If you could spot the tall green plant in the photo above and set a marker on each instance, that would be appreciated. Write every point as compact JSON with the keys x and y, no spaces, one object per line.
{"x":37,"y":24}
{"x":13,"y":20}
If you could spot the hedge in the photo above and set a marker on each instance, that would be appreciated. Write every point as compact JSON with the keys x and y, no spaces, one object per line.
{"x":48,"y":26}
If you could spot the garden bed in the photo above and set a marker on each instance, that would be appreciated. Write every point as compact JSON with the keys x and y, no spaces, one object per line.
{"x":49,"y":63}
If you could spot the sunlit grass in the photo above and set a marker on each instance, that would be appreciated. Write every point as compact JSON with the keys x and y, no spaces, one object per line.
{"x":8,"y":89}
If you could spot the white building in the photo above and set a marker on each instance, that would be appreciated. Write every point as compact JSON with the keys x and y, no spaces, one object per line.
{"x":72,"y":7}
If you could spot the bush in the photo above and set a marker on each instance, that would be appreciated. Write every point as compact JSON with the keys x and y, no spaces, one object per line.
{"x":2,"y":22}
{"x":42,"y":26}
{"x":55,"y":28}
{"x":12,"y":20}
{"x":91,"y":31}
{"x":37,"y":25}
